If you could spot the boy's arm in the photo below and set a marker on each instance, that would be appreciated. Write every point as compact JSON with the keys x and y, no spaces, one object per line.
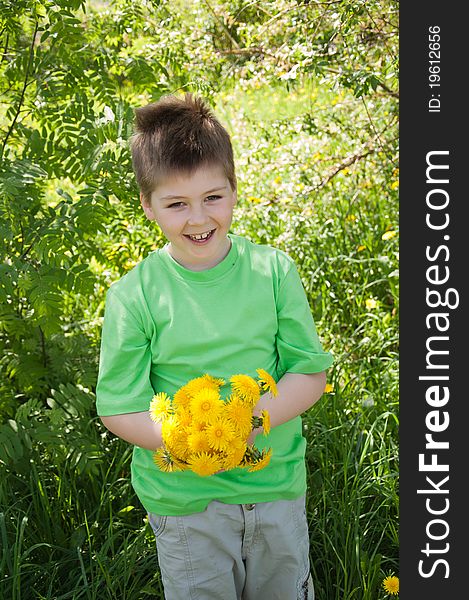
{"x":135,"y":428}
{"x":296,"y":393}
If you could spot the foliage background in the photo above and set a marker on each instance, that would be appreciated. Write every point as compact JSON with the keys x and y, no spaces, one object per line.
{"x":309,"y":92}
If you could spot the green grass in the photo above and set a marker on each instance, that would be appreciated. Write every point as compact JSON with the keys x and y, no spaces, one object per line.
{"x":71,"y":526}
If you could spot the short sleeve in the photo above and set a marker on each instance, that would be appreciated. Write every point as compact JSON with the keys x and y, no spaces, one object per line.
{"x":125,"y":361}
{"x":298,"y":344}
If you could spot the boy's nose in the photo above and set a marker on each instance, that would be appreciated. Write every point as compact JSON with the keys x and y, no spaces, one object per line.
{"x":197,"y":216}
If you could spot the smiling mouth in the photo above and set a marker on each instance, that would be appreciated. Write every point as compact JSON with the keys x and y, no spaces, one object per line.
{"x":200,"y":238}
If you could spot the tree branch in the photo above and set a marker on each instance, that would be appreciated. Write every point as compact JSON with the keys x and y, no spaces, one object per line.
{"x":225,"y":28}
{"x":347,"y":162}
{"x":23,"y":91}
{"x":350,"y":160}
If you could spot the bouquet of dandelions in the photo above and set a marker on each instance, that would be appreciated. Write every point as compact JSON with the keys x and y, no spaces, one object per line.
{"x":206,"y":434}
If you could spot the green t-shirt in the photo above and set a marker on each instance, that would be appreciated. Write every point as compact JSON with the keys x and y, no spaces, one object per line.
{"x":164,"y":325}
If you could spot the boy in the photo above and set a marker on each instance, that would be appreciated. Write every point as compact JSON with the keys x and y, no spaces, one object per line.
{"x":211,"y":302}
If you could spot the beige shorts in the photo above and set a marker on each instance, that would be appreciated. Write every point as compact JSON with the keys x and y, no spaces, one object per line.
{"x":236,"y":552}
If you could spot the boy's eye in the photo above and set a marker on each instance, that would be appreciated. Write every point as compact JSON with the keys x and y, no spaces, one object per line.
{"x":214,"y":197}
{"x":175,"y":205}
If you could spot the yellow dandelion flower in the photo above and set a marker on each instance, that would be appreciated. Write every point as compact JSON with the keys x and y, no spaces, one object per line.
{"x":262,"y":462}
{"x":329,"y":388}
{"x":164,"y":461}
{"x":249,"y":457}
{"x":220,"y":434}
{"x":265,"y":422}
{"x":174,"y":437}
{"x":387,"y":235}
{"x":239,"y":414}
{"x":184,"y":417}
{"x":160,"y":407}
{"x":198,"y":426}
{"x":169,"y":426}
{"x":235,"y":454}
{"x":245,"y":387}
{"x":197,"y":442}
{"x":267,"y":382}
{"x":214,"y":382}
{"x":361,"y":248}
{"x":371,"y":303}
{"x":180,"y":464}
{"x":177,"y":444}
{"x":193,"y":386}
{"x":391,"y":585}
{"x":204,"y":464}
{"x":395,"y":184}
{"x":205,"y":381}
{"x":181,"y":398}
{"x":206,"y":405}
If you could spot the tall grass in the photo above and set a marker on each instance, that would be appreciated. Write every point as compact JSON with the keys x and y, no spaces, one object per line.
{"x":71,"y":526}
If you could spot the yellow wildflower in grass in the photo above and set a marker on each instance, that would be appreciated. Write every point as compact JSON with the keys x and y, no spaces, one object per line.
{"x":164,"y":461}
{"x":329,"y":388}
{"x":160,"y":407}
{"x":246,"y":387}
{"x":239,"y":414}
{"x":206,"y":405}
{"x":361,"y":248}
{"x":388,"y":235}
{"x":371,"y":303}
{"x":391,"y":585}
{"x":204,"y":464}
{"x":220,"y":434}
{"x":265,"y":422}
{"x":197,"y":441}
{"x":262,"y":462}
{"x":267,"y":382}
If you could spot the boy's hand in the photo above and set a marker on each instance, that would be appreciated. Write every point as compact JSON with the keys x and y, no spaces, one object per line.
{"x":252,"y":436}
{"x":297,"y":392}
{"x":249,"y":442}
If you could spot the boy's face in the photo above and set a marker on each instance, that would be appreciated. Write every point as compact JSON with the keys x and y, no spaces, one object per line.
{"x":194,"y":212}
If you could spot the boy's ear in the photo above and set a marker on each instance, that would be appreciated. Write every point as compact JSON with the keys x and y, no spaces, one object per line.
{"x":147,"y":209}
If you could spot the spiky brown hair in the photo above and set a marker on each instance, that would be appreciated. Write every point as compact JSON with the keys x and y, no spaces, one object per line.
{"x":178,"y":134}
